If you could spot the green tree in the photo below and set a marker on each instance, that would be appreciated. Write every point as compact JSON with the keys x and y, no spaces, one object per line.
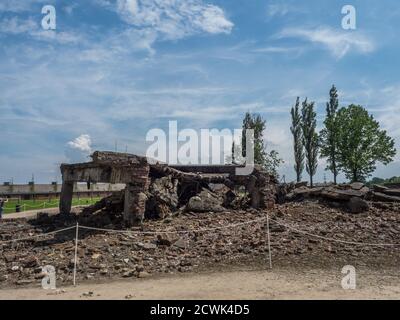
{"x":297,"y":140}
{"x":270,"y":161}
{"x":361,"y":143}
{"x":329,"y":134}
{"x":236,"y":154}
{"x":377,"y":180}
{"x":256,"y":123}
{"x":310,"y":138}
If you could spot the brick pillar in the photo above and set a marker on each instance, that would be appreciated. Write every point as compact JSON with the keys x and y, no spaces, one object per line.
{"x":253,"y":189}
{"x":67,"y":190}
{"x":134,"y":204}
{"x":135,"y":197}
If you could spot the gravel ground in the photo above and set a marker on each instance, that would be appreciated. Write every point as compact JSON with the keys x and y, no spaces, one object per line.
{"x":105,"y":256}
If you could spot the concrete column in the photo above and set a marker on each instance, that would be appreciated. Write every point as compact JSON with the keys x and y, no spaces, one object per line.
{"x":254,"y":192}
{"x":134,"y":204}
{"x":67,"y":191}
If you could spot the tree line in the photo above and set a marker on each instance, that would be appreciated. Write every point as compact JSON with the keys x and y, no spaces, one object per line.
{"x":351,"y":140}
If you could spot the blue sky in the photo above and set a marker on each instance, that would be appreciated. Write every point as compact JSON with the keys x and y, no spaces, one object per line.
{"x":114,"y":69}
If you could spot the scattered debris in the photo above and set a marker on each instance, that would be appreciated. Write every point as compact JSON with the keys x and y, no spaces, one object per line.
{"x":87,"y":294}
{"x":158,"y":190}
{"x":357,"y":205}
{"x":353,"y":196}
{"x":136,"y":255}
{"x":181,"y":201}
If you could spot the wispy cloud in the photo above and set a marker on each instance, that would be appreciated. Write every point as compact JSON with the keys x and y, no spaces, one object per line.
{"x":273,"y":49}
{"x":338,"y":42}
{"x":94,"y":74}
{"x":18,"y":6}
{"x":171,"y":20}
{"x":278,"y":9}
{"x":17,"y":26}
{"x":70,"y":8}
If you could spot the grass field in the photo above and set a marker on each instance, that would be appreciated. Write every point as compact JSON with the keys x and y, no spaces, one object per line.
{"x":27,"y":205}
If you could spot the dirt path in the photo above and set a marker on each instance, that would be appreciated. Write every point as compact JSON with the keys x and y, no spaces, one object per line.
{"x":259,"y":284}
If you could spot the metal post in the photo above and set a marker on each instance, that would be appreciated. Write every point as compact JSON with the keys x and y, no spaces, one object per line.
{"x":76,"y":251}
{"x":269,"y":244}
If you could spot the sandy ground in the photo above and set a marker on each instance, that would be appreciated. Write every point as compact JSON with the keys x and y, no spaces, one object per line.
{"x":249,"y":284}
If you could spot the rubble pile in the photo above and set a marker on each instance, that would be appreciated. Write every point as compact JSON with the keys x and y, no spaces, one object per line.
{"x":355,"y":197}
{"x":181,"y":218}
{"x":170,"y":191}
{"x":155,"y":190}
{"x":122,"y":255}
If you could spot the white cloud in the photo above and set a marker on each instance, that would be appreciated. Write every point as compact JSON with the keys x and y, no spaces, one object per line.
{"x":272,"y":49}
{"x":79,"y":149}
{"x":173,"y":19}
{"x":339,"y":42}
{"x":18,"y":6}
{"x":387,"y":112}
{"x":70,"y":8}
{"x":15,"y":25}
{"x":278,"y":9}
{"x":212,"y":20}
{"x":82,"y":143}
{"x":63,"y":37}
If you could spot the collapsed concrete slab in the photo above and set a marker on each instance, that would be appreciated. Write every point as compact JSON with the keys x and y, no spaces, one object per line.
{"x":353,"y":196}
{"x":110,"y":167}
{"x":161,"y":188}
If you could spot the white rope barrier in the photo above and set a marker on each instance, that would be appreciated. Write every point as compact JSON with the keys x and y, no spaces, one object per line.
{"x":238,"y":225}
{"x":36,"y":236}
{"x":33,"y":207}
{"x":336,"y":240}
{"x":229,"y":226}
{"x":202,"y":230}
{"x":44,"y":204}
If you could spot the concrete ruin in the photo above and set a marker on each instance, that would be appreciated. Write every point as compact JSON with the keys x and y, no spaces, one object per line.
{"x":182,"y":182}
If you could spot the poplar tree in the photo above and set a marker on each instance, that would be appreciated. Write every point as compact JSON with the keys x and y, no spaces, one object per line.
{"x":329,"y":135}
{"x":310,"y":138}
{"x":297,"y":140}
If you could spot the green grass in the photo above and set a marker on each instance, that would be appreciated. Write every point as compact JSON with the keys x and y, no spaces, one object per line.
{"x":26,"y":205}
